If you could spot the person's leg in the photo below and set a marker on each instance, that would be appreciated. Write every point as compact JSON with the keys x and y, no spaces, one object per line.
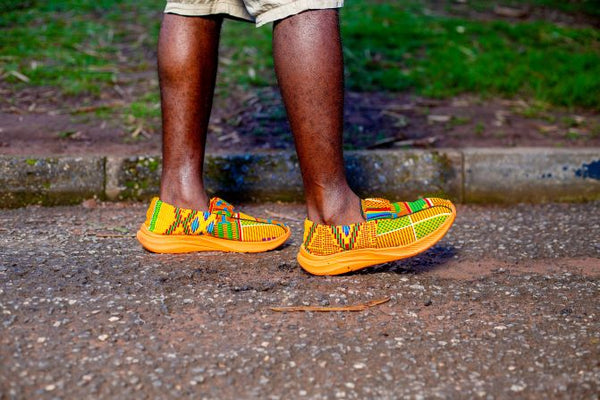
{"x":182,"y":219}
{"x":187,"y":65}
{"x":308,"y":62}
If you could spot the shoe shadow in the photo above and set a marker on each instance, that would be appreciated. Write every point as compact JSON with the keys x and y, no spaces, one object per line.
{"x":428,"y":261}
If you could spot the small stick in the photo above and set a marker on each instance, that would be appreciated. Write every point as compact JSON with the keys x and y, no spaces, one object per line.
{"x":87,"y":109}
{"x":357,"y":307}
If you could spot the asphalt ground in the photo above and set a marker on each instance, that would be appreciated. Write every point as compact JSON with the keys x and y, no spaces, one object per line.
{"x":505,"y":306}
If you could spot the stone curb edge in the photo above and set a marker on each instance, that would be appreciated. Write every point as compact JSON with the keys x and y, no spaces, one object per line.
{"x":471,"y":175}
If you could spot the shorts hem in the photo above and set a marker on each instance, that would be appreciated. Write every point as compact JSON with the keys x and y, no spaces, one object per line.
{"x":294,"y":8}
{"x":197,"y":10}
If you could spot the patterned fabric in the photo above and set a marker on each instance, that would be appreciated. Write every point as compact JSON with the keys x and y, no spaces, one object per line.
{"x":388,"y":225}
{"x":220,"y":221}
{"x":382,"y":208}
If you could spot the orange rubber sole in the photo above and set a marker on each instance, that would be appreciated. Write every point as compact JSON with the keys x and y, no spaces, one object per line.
{"x":157,"y":243}
{"x":354,"y":260}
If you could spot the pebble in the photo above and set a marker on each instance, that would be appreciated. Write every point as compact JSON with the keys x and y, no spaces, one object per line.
{"x":103,"y":337}
{"x":518,"y":387}
{"x":197,"y":380}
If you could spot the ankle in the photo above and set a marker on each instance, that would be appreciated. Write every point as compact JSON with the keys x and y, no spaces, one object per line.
{"x":199,"y":203}
{"x":335,"y":208}
{"x":184,"y":196}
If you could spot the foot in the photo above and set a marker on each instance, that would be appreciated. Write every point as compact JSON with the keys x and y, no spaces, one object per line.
{"x":392,"y":231}
{"x":335,"y":208}
{"x":184,"y":189}
{"x":170,"y":229}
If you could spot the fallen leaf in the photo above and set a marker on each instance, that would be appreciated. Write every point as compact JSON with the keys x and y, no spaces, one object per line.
{"x":511,"y":12}
{"x":547,"y":128}
{"x":401,"y":120}
{"x":233,"y":136}
{"x":87,"y":109}
{"x":438,"y":118}
{"x":460,"y":103}
{"x":19,"y":76}
{"x":89,"y":203}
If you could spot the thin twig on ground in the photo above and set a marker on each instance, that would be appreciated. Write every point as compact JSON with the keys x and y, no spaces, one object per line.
{"x":356,"y":307}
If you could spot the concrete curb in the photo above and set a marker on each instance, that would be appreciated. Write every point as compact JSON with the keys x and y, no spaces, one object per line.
{"x":472,"y":175}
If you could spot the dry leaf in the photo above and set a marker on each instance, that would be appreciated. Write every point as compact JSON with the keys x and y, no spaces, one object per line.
{"x":547,"y":128}
{"x":233,"y":136}
{"x":19,"y":76}
{"x":138,"y":130}
{"x":422,"y":142}
{"x":438,"y":118}
{"x":87,"y":109}
{"x":501,"y":118}
{"x":511,"y":12}
{"x":401,"y":120}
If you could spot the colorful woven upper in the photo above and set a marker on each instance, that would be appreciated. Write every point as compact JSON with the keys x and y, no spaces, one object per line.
{"x":382,"y":208}
{"x":388,"y":225}
{"x":220,"y":221}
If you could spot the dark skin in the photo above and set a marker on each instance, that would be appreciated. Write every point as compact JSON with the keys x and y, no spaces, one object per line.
{"x":309,"y":67}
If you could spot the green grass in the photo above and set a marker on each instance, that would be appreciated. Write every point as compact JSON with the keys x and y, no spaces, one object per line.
{"x":399,"y":49}
{"x":82,"y":47}
{"x":246,"y":55}
{"x":76,"y":46}
{"x":589,"y":7}
{"x":148,"y":106}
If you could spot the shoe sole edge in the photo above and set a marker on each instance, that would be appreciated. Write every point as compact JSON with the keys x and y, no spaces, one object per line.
{"x":158,"y":243}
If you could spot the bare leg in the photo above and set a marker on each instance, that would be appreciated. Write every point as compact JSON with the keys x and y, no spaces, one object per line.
{"x":187,"y":65}
{"x":309,"y":66}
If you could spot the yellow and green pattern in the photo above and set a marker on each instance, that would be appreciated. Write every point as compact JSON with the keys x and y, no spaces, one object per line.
{"x":387,"y":225}
{"x":220,"y":221}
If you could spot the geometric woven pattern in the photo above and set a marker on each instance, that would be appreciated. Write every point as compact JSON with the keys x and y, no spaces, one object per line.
{"x":387,"y":225}
{"x":220,"y":221}
{"x":382,"y":208}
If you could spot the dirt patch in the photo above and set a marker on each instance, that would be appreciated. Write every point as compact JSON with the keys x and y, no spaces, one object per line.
{"x":255,"y":120}
{"x":467,"y":270}
{"x":42,"y":120}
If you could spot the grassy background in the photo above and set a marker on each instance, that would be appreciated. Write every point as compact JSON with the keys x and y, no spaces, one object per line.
{"x":82,"y":47}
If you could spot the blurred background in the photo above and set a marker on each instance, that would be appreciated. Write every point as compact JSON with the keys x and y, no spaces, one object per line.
{"x":80,"y":77}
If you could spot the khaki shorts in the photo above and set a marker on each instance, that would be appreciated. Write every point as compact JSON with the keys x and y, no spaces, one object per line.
{"x":259,"y":11}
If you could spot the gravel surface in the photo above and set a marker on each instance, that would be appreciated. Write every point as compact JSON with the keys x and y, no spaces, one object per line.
{"x":506,"y":306}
